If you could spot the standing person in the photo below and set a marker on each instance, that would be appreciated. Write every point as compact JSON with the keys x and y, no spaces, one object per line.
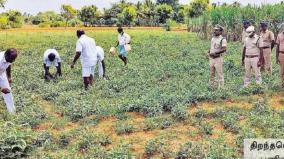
{"x":268,"y":44}
{"x":6,"y":60}
{"x":280,"y":52}
{"x":246,"y":24}
{"x":123,"y":39}
{"x":101,"y":63}
{"x":252,"y":57}
{"x":86,"y":50}
{"x":51,"y":58}
{"x":218,"y":47}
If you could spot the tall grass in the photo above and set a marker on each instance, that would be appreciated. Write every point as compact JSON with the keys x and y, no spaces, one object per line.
{"x":231,"y":18}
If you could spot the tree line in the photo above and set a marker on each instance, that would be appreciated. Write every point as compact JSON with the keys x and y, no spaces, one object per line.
{"x":123,"y":13}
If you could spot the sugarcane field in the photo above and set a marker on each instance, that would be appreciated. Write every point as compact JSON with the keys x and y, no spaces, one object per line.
{"x":142,"y":79}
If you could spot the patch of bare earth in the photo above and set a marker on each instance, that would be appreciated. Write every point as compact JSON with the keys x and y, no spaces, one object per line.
{"x":181,"y":130}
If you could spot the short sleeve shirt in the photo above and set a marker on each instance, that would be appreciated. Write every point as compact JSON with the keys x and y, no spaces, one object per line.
{"x":280,"y":41}
{"x":267,"y":38}
{"x":46,"y":59}
{"x":253,"y":45}
{"x":87,"y":47}
{"x":123,"y":39}
{"x":101,"y":54}
{"x":3,"y":64}
{"x":217,"y":43}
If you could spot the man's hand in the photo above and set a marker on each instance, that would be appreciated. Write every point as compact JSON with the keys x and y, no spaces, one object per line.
{"x":72,"y":65}
{"x":5,"y":90}
{"x":213,"y":55}
{"x":10,"y":80}
{"x":277,"y":61}
{"x":260,"y":63}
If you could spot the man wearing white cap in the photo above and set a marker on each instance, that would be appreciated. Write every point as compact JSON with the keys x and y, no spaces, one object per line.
{"x":51,"y":58}
{"x":218,"y":47}
{"x":246,"y":24}
{"x":252,"y":57}
{"x":6,"y":60}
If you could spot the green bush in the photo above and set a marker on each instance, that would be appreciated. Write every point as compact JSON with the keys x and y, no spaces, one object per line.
{"x":124,"y":127}
{"x":179,"y":112}
{"x":57,"y":24}
{"x":15,"y":142}
{"x":44,"y":25}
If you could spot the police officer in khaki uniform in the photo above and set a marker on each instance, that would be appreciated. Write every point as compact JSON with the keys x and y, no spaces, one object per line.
{"x":252,"y":56}
{"x":268,"y":44}
{"x":246,"y":24}
{"x":218,"y":47}
{"x":280,"y":52}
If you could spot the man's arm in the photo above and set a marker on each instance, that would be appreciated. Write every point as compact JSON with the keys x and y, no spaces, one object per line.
{"x":243,"y":57}
{"x":8,"y":71}
{"x":46,"y":69}
{"x":277,"y":54}
{"x":272,"y":44}
{"x":104,"y":68}
{"x":78,"y":54}
{"x":117,"y":44}
{"x":272,"y":40}
{"x":59,"y":69}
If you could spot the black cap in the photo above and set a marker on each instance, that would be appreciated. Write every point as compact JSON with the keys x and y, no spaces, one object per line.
{"x":246,"y":22}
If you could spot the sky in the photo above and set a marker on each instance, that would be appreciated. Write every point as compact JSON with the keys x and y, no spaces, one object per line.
{"x":35,"y":6}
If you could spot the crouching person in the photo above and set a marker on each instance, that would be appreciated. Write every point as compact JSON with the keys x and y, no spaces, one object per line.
{"x":51,"y":58}
{"x":6,"y":60}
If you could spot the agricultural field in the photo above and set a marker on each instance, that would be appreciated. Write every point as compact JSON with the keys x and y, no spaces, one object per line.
{"x":160,"y":106}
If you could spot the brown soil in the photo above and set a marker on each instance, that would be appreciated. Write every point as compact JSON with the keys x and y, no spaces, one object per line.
{"x":139,"y":137}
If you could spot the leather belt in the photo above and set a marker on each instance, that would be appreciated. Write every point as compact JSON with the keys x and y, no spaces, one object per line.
{"x":251,"y":56}
{"x":267,"y":47}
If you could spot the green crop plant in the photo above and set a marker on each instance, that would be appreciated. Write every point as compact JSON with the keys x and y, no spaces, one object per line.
{"x":232,"y":16}
{"x":206,"y":128}
{"x":167,"y":72}
{"x":124,"y":127}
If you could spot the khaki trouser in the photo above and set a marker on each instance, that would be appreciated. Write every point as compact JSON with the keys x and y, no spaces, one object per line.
{"x":267,"y":60}
{"x":251,"y":65}
{"x":281,"y":59}
{"x":216,"y":66}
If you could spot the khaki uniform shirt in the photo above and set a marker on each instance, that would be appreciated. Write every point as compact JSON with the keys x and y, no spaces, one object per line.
{"x":267,"y":38}
{"x":280,"y":41}
{"x":244,"y":36}
{"x":253,"y":45}
{"x":217,"y":43}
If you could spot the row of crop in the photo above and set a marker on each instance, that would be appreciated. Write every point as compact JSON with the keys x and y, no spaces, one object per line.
{"x":231,"y":18}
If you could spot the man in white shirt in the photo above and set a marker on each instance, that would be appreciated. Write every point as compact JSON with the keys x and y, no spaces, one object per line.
{"x":86,"y":50}
{"x":6,"y":59}
{"x":101,"y":63}
{"x":51,"y":58}
{"x":123,"y":39}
